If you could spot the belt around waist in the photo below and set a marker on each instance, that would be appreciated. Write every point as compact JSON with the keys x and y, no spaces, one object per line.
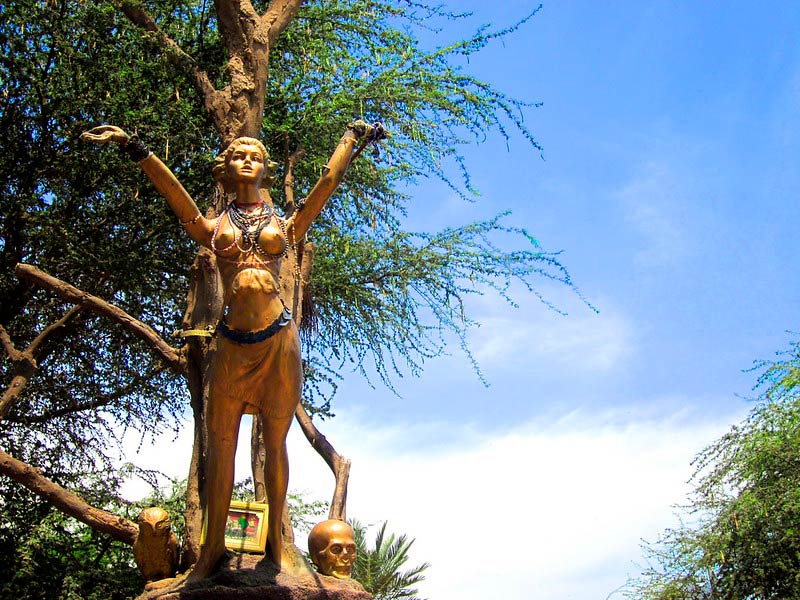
{"x":253,"y":337}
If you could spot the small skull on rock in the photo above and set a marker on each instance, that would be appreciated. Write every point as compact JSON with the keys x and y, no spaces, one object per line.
{"x":332,"y":548}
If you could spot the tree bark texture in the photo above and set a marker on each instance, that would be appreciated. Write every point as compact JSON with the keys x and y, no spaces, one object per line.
{"x":238,"y":108}
{"x":203,"y":310}
{"x":339,"y":465}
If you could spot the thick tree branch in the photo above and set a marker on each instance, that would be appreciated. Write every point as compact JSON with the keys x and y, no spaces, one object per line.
{"x":278,"y":16}
{"x":117,"y":527}
{"x":236,"y":19}
{"x":246,"y":36}
{"x":214,"y":101}
{"x":14,"y":389}
{"x":8,"y":345}
{"x":26,"y":363}
{"x":172,"y":357}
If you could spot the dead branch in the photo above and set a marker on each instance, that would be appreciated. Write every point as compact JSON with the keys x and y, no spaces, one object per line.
{"x":117,"y":527}
{"x":339,"y":465}
{"x":171,"y":356}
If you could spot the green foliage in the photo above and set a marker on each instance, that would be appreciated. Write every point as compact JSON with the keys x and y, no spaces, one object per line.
{"x":380,"y":567}
{"x":45,"y":555}
{"x":306,"y":513}
{"x":83,"y":216}
{"x":743,"y":537}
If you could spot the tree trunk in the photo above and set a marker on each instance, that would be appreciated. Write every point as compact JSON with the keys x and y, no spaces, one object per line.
{"x":236,"y":110}
{"x":203,"y":311}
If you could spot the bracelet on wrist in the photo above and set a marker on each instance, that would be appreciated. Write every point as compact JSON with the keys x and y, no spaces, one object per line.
{"x":136,"y":149}
{"x":192,"y":221}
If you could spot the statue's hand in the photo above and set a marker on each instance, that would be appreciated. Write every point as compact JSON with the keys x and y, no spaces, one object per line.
{"x":363,"y":130}
{"x":105,"y":134}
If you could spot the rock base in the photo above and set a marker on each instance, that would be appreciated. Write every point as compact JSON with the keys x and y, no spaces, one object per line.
{"x":253,"y":577}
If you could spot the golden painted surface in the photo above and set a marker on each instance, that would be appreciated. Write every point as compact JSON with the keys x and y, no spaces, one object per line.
{"x":332,"y":548}
{"x":263,"y":378}
{"x":156,"y":547}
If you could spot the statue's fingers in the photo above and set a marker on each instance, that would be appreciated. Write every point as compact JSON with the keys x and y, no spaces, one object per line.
{"x":104,"y":134}
{"x":97,"y":138}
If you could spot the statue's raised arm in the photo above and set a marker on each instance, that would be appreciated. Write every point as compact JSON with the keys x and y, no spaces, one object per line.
{"x":199,"y":228}
{"x":333,"y":173}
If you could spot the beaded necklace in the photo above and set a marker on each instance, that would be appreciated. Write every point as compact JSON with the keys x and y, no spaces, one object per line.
{"x":250,"y":225}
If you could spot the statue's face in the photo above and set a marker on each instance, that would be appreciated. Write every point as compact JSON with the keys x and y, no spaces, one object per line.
{"x":156,"y":520}
{"x":338,"y":554}
{"x":246,"y":164}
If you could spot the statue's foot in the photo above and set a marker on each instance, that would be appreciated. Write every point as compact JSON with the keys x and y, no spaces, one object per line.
{"x":160,"y":584}
{"x":162,"y":587}
{"x":292,"y":561}
{"x":204,"y":566}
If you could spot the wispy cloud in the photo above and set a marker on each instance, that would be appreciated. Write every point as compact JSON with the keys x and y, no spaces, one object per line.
{"x":583,"y":341}
{"x":653,"y":202}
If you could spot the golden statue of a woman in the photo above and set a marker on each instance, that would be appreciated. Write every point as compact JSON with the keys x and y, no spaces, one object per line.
{"x":257,"y":367}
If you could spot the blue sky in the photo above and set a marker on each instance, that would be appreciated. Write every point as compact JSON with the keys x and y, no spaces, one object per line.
{"x":669,"y":179}
{"x":670,"y":136}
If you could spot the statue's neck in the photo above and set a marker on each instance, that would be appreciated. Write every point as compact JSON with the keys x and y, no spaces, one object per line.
{"x":246,"y":193}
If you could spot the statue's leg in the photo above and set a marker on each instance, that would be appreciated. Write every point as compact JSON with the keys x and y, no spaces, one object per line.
{"x":224,"y":415}
{"x":277,"y":476}
{"x":285,"y":373}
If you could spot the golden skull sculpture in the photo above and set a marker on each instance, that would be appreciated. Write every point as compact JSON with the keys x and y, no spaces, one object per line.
{"x":332,"y":548}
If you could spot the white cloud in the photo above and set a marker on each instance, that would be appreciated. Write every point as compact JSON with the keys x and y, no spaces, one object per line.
{"x":548,"y":509}
{"x":589,"y":343}
{"x":583,"y":341}
{"x":172,"y":454}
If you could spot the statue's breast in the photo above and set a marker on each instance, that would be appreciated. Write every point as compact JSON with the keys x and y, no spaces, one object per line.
{"x":270,"y":240}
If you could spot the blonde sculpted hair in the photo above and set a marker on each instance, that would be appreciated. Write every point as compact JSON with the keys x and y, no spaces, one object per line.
{"x":221,"y":162}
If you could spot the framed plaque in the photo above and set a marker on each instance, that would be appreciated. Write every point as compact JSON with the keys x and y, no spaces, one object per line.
{"x":245,"y":527}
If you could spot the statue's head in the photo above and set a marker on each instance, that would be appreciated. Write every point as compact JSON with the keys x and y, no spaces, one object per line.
{"x":154,"y":521}
{"x":222,"y":164}
{"x":332,"y":548}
